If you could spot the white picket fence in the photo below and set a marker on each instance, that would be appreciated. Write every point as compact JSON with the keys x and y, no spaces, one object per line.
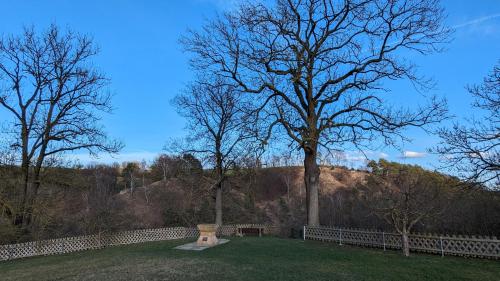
{"x":470,"y":246}
{"x":88,"y":242}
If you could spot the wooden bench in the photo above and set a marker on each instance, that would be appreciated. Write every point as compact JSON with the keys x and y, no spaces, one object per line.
{"x":254,"y":230}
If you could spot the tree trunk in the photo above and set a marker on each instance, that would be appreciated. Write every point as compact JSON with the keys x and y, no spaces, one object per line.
{"x":218,"y":205}
{"x":32,"y":196}
{"x":25,"y":170}
{"x":406,"y":242}
{"x":220,"y":178}
{"x":37,"y":169}
{"x":20,"y":216}
{"x":132,"y":185}
{"x":311,"y":179}
{"x":146,"y":196}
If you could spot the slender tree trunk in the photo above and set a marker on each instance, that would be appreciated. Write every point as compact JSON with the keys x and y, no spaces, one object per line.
{"x":220,"y":179}
{"x":164,"y":174}
{"x":132,"y":185}
{"x":311,"y":179}
{"x":219,"y":172}
{"x":218,"y":204}
{"x":406,"y":242}
{"x":25,"y":170}
{"x":20,"y":216}
{"x":146,"y":195}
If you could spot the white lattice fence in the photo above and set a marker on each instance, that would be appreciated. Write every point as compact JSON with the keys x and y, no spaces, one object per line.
{"x":87,"y":242}
{"x":148,"y":235}
{"x":485,"y":247}
{"x":457,"y":245}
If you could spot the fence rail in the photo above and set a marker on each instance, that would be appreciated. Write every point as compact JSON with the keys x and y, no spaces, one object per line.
{"x":471,"y":246}
{"x":88,"y":242}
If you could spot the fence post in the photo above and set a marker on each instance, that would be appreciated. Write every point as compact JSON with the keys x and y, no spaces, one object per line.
{"x":304,"y":233}
{"x":441,"y":242}
{"x":383,"y":239}
{"x":341,"y":236}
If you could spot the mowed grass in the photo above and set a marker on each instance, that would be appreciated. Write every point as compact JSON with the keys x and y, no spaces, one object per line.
{"x":248,"y":258}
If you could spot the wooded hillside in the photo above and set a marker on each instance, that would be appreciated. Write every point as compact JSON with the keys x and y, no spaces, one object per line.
{"x":100,"y":199}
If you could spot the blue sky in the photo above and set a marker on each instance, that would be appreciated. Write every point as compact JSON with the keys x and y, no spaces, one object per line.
{"x":140,"y":53}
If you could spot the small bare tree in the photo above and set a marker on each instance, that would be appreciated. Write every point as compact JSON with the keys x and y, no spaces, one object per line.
{"x":163,"y":163}
{"x":98,"y":214}
{"x":318,"y":66}
{"x":54,"y":95}
{"x":129,"y":173}
{"x":403,"y":196}
{"x":218,"y":124}
{"x":287,"y":174}
{"x":473,"y":150}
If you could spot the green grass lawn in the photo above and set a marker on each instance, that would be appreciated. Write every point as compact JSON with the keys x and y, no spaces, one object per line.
{"x":249,"y":258}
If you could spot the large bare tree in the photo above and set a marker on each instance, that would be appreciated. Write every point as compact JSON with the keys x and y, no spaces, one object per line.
{"x":473,"y":150}
{"x":54,"y":95}
{"x":318,"y":66}
{"x":219,"y":126}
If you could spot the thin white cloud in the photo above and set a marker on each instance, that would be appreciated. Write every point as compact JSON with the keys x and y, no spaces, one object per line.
{"x":413,"y":154}
{"x":476,"y":21}
{"x":379,"y":154}
{"x":363,"y":156}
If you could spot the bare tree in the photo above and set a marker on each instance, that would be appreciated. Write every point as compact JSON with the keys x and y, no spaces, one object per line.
{"x":403,"y":196}
{"x":218,"y":124}
{"x":318,"y":68}
{"x":99,"y":199}
{"x":54,"y":95}
{"x":130,"y":172}
{"x":287,"y":174}
{"x":162,"y":164}
{"x":145,"y":170}
{"x":473,"y":150}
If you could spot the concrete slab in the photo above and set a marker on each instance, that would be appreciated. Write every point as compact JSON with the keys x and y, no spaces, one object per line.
{"x":194,"y":247}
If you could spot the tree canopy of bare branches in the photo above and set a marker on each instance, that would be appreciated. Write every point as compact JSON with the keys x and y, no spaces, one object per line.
{"x":55,"y":95}
{"x":219,"y":126}
{"x":317,"y":68}
{"x":404,"y":195}
{"x":473,"y":150}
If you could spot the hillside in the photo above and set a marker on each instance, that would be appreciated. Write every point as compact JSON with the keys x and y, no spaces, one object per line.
{"x":266,"y":189}
{"x":75,"y":201}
